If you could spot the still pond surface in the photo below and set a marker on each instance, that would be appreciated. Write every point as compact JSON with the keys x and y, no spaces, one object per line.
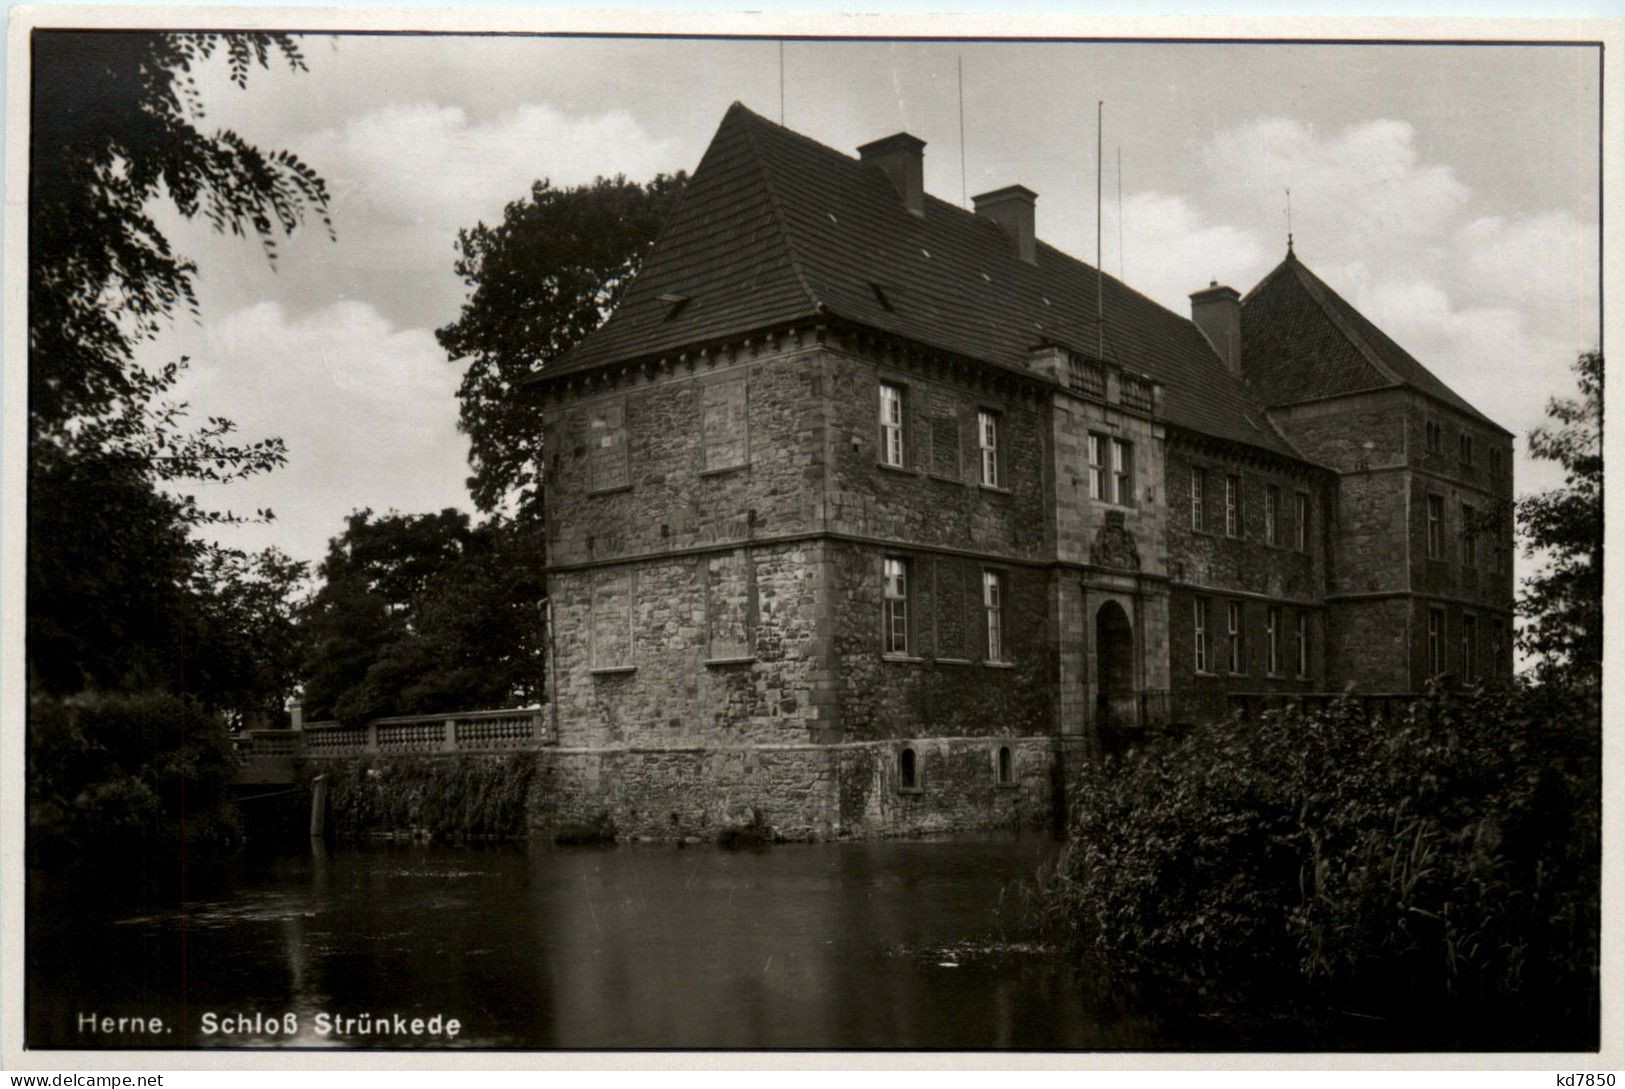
{"x":898,"y":944}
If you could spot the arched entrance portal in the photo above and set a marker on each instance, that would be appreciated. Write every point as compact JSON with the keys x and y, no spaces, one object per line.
{"x":1114,"y":663}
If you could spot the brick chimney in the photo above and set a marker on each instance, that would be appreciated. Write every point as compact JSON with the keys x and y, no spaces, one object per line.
{"x":1216,"y":310}
{"x":902,"y":157}
{"x":1012,"y":209}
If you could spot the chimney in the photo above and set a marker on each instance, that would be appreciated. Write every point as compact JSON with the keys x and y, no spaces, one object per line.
{"x":1216,"y":310}
{"x":1012,"y":209}
{"x":902,"y":157}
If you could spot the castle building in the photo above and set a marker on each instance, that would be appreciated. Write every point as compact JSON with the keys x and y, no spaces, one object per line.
{"x":867,"y":513}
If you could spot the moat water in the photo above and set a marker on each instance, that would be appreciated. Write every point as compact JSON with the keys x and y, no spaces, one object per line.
{"x":896,"y":944}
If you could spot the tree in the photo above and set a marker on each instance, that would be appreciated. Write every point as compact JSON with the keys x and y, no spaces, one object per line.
{"x":539,"y":281}
{"x":118,"y":582}
{"x":1562,"y":604}
{"x":421,"y":613}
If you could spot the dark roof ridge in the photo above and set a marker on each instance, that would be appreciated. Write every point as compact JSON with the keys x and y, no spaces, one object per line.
{"x":786,"y":235}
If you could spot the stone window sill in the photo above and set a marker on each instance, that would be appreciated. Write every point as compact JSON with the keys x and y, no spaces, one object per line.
{"x":996,"y":489}
{"x":723,"y":470}
{"x":911,"y":790}
{"x":1010,"y":784}
{"x":953,"y":661}
{"x":743,"y":659}
{"x":998,"y":665}
{"x":901,"y":658}
{"x":613,"y":489}
{"x":889,"y":467}
{"x":612,"y":671}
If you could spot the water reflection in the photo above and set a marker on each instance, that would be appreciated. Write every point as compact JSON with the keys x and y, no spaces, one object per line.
{"x":850,"y":945}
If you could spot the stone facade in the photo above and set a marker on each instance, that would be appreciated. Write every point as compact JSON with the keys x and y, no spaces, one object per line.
{"x":825,"y":573}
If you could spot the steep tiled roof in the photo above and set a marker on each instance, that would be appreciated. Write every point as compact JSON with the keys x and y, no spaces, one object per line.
{"x":776,"y":227}
{"x":1300,"y":340}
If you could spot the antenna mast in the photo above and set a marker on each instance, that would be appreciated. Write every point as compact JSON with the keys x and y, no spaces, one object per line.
{"x":1121,"y":273}
{"x":1289,"y":219}
{"x":964,"y":200}
{"x":781,"y":81}
{"x":1100,"y":285}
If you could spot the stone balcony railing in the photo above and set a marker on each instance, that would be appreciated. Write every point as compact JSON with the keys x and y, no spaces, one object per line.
{"x":458,"y":732}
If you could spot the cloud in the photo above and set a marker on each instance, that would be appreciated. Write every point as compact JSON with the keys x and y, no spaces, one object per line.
{"x":368,"y":411}
{"x":1169,"y":251}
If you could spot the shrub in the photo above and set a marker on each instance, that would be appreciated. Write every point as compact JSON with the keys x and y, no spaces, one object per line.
{"x":1447,"y":862}
{"x":125,"y":772}
{"x":448,"y":796}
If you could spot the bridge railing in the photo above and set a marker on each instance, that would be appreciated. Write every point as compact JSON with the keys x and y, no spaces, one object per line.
{"x":458,"y":732}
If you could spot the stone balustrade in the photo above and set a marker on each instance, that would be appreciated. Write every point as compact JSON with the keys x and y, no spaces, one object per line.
{"x":458,"y":732}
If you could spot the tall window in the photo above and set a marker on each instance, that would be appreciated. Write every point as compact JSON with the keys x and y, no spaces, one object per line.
{"x":1199,"y":499}
{"x":1435,"y":641}
{"x":1233,"y":629}
{"x":1435,"y":438}
{"x":1435,"y":527}
{"x":896,"y":606}
{"x":1232,"y":506}
{"x":1122,"y":472}
{"x":1469,"y":539}
{"x":987,"y":432}
{"x":1303,"y":521}
{"x":908,"y":770}
{"x":1200,"y":634}
{"x":1111,"y":469}
{"x":1469,"y":647}
{"x":1272,"y":514}
{"x":1303,"y":644}
{"x":1466,"y":448}
{"x":1272,"y":633}
{"x":993,"y":605}
{"x":1498,"y":641}
{"x":891,"y":425}
{"x":1097,"y":466}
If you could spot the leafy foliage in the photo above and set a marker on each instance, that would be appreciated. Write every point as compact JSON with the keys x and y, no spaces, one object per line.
{"x":120,"y":772}
{"x":447,"y":798}
{"x":539,"y":281}
{"x":1446,"y":863}
{"x":423,"y":613}
{"x":1562,"y":605}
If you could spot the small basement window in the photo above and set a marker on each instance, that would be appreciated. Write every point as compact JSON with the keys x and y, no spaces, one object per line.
{"x":908,"y":771}
{"x":1006,"y":768}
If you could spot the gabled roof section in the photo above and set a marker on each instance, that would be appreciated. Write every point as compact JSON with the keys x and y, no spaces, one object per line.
{"x":776,"y":227}
{"x":1300,"y":341}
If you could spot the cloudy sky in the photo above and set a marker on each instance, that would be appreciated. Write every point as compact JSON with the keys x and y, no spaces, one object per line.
{"x":1450,"y":192}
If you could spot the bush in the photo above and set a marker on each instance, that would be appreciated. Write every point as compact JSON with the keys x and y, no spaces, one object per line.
{"x":1447,"y":863}
{"x":112,"y":773}
{"x":449,"y":797}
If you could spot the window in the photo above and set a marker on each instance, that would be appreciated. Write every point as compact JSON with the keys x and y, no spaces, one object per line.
{"x":1199,"y":499}
{"x":1111,"y":480}
{"x":610,"y":612}
{"x":724,"y":424}
{"x":730,"y":604}
{"x":1435,"y":527}
{"x":1435,"y":641}
{"x":1469,"y":647}
{"x":987,"y":437}
{"x":1303,"y":644}
{"x":1097,"y":466}
{"x":896,"y":597}
{"x":1136,"y":394}
{"x":1233,"y":629}
{"x":1232,"y":506}
{"x":1469,"y":538}
{"x":1435,"y":436}
{"x":1272,"y":633}
{"x":908,"y":770}
{"x":1201,"y":635}
{"x":1085,"y":377}
{"x":891,"y":425}
{"x":1498,"y":642}
{"x":1495,"y":462}
{"x":1004,"y":766}
{"x":606,"y":456}
{"x":1123,"y":472}
{"x":993,"y":606}
{"x":1272,"y":514}
{"x":1303,"y":521}
{"x":1466,"y":448}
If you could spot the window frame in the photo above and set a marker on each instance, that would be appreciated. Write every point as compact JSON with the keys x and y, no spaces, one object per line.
{"x":1438,"y":636}
{"x":1198,"y":499}
{"x":890,"y":430}
{"x":1433,"y":436}
{"x":1121,"y":471}
{"x":1272,"y":640}
{"x":1004,"y":766}
{"x":1435,"y":526}
{"x":990,"y":458}
{"x":1305,"y":516}
{"x":1235,"y":625}
{"x":1303,"y":644}
{"x":895,"y":579}
{"x":1233,"y":527}
{"x":909,"y":771}
{"x":1272,"y":515}
{"x":1095,"y":451}
{"x":1469,"y":538}
{"x":993,"y":595}
{"x":1199,"y":632}
{"x":1469,"y":646}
